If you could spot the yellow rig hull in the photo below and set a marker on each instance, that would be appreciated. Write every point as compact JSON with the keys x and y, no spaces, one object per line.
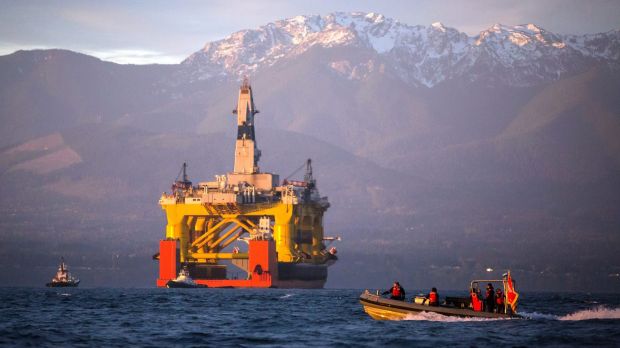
{"x":203,"y":231}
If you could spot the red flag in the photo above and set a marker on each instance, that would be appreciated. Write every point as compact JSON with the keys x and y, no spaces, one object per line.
{"x":511,"y":295}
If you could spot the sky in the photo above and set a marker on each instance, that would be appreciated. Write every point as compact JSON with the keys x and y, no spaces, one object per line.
{"x":144,"y":32}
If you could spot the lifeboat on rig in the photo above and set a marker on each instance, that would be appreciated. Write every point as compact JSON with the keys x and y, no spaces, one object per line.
{"x":380,"y":308}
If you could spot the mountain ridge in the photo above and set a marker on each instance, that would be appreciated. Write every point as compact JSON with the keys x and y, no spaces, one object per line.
{"x":427,"y":55}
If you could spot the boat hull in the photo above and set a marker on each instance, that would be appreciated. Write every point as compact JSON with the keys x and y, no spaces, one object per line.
{"x":301,"y":275}
{"x":63,"y":284}
{"x":264,"y":271}
{"x":380,"y":308}
{"x":182,"y":285}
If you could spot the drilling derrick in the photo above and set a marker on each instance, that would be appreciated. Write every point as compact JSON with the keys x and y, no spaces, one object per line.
{"x":246,"y":152}
{"x":270,"y":233}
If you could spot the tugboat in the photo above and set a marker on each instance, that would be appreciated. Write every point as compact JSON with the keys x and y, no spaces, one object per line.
{"x":63,"y":278}
{"x":184,"y":280}
{"x":380,"y":308}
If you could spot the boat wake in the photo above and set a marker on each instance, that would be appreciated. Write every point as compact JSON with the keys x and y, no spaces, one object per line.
{"x":600,"y":312}
{"x":431,"y":316}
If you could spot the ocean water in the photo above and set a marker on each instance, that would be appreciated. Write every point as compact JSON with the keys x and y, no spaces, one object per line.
{"x":277,"y":317}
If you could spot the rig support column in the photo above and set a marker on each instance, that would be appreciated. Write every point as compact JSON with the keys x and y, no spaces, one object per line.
{"x":167,"y":261}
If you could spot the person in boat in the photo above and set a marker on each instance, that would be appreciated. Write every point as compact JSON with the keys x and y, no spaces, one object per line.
{"x":433,"y":297}
{"x":397,"y":292}
{"x":476,"y":299}
{"x":499,"y":301}
{"x":490,"y":298}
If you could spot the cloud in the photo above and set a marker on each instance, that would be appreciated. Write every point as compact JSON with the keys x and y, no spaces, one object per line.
{"x":136,"y":56}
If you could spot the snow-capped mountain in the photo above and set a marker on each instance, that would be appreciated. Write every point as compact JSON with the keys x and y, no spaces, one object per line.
{"x":420,"y":55}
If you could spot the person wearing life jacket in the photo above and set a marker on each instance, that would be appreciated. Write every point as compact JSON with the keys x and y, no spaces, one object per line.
{"x":396,"y":292}
{"x":499,"y":301}
{"x":490,"y":298}
{"x":433,"y":297}
{"x":476,"y":300}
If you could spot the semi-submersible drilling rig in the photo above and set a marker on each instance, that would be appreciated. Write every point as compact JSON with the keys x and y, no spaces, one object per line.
{"x":272,"y":232}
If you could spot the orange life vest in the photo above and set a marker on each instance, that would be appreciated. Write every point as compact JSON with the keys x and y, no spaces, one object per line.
{"x":432,"y":298}
{"x":475,"y":302}
{"x":499,"y":299}
{"x":396,"y":292}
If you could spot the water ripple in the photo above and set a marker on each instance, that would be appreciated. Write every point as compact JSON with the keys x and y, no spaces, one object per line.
{"x":275,"y":318}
